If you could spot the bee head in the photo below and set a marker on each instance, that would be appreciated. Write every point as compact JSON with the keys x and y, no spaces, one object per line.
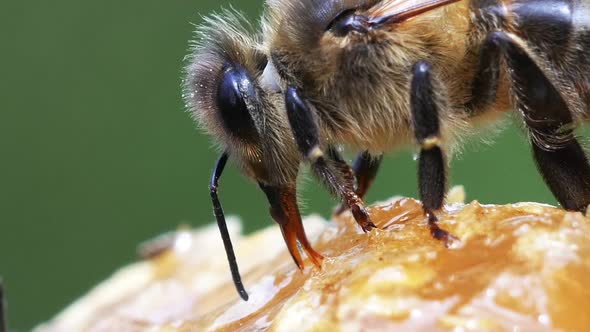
{"x":223,"y":92}
{"x":219,"y":88}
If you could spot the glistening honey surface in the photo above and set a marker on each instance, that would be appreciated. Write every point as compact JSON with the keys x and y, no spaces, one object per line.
{"x":519,"y":267}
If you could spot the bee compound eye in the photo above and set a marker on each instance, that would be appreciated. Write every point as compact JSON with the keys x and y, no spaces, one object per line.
{"x":348,"y":21}
{"x":236,"y":101}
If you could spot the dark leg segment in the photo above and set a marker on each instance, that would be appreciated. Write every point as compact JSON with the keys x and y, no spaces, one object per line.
{"x":485,"y":82}
{"x":284,"y":210}
{"x":559,"y":157}
{"x":365,"y":169}
{"x":335,"y":176}
{"x":431,"y":168}
{"x":219,"y":216}
{"x":303,"y":125}
{"x":567,"y":174}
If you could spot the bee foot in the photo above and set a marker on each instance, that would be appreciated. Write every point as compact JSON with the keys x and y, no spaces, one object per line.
{"x":440,"y":234}
{"x":362,"y":218}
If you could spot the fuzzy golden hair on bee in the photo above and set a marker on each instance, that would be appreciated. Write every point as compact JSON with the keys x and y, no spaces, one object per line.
{"x":375,"y":65}
{"x":376,"y":75}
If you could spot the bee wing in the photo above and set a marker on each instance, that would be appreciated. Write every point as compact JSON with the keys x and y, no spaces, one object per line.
{"x":395,"y":11}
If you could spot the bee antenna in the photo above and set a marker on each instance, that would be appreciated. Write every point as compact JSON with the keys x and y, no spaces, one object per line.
{"x":3,"y":322}
{"x":219,"y":216}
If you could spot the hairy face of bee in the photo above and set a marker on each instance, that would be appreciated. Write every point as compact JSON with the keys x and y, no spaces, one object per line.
{"x":223,"y":92}
{"x":220,"y":68}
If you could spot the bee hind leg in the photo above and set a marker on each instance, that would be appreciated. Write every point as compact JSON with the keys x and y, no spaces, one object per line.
{"x":334,"y":176}
{"x":284,"y":210}
{"x":432,"y":178}
{"x":363,"y":172}
{"x":560,"y":159}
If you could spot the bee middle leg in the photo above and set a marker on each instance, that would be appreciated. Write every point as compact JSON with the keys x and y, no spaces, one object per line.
{"x":432,"y":179}
{"x":336,"y":178}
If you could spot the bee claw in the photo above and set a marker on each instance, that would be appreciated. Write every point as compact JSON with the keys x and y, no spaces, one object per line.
{"x":367,"y":228}
{"x":440,"y":234}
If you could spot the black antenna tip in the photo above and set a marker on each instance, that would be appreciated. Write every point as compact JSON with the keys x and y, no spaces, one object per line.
{"x":243,"y":294}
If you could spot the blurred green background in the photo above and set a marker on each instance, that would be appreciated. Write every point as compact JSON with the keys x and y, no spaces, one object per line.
{"x":97,"y":153}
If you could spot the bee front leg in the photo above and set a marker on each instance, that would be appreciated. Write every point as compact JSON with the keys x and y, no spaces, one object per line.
{"x":432,"y":177}
{"x":284,"y":210}
{"x":337,"y":181}
{"x":363,"y":172}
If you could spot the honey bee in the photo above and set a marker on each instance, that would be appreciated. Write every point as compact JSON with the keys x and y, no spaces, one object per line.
{"x":376,"y":75}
